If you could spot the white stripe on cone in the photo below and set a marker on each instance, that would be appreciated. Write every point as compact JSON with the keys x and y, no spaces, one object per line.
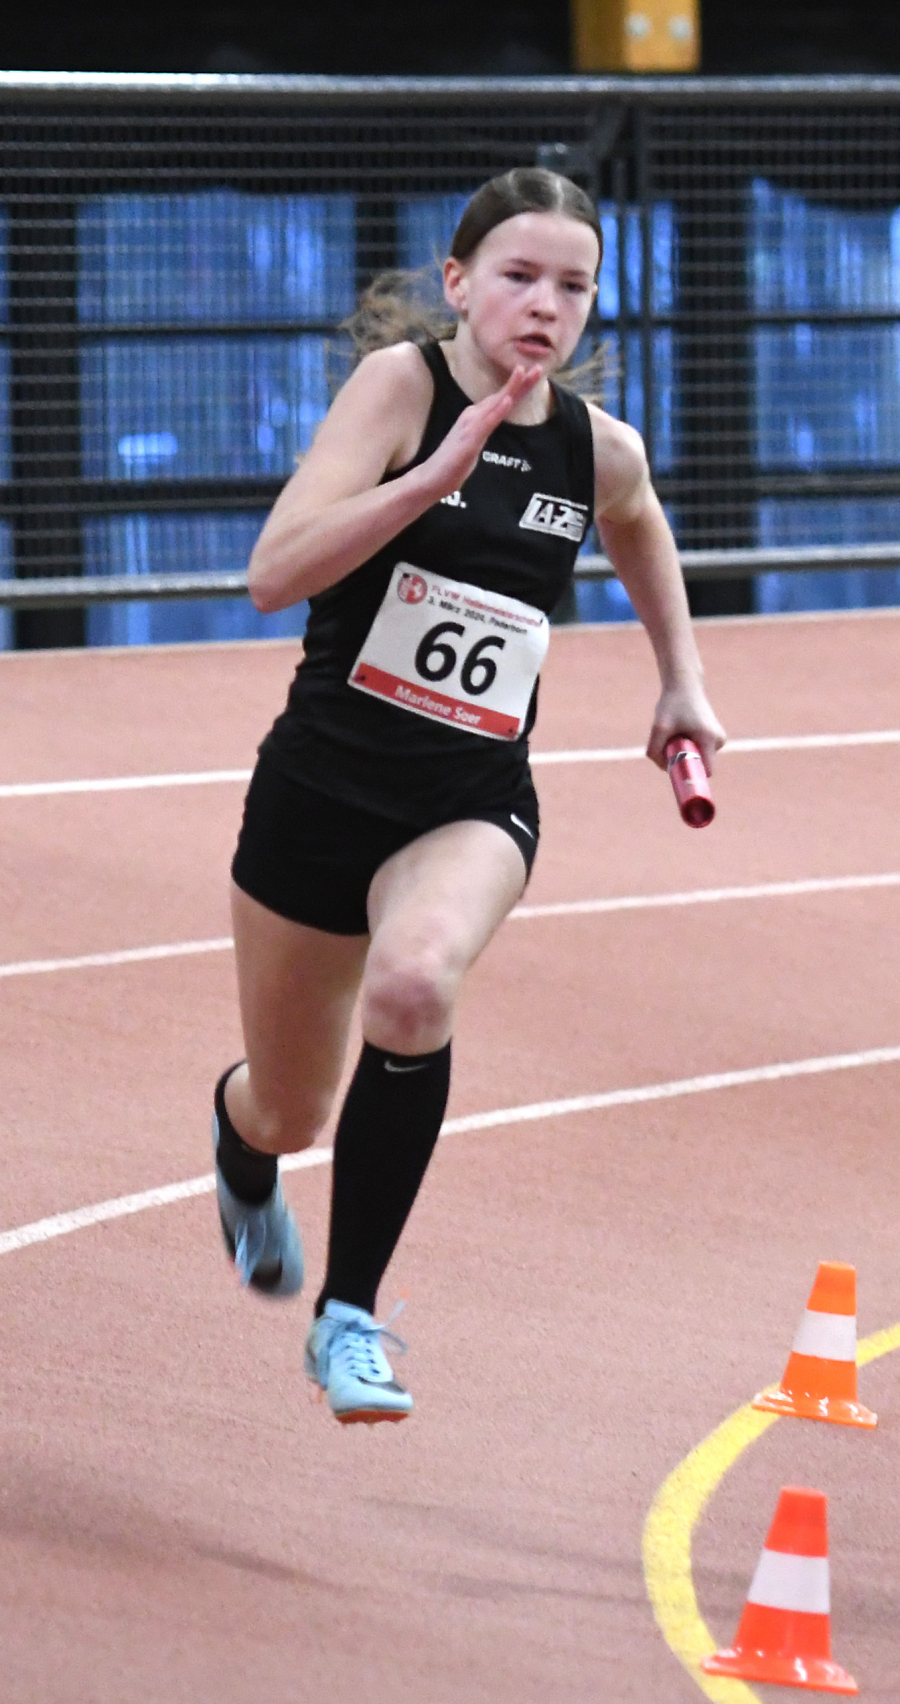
{"x":830,"y":1337}
{"x":799,"y":1583}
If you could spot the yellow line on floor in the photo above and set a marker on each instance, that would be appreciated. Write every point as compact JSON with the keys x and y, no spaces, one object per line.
{"x":670,"y":1524}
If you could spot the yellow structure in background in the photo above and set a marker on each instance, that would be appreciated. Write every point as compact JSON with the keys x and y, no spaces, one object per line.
{"x":636,"y":35}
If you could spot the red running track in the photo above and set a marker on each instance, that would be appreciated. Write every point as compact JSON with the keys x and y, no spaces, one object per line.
{"x":588,"y":1293}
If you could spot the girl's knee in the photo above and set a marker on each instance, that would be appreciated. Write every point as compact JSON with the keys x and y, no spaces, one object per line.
{"x":290,"y":1127}
{"x":407,"y":1005}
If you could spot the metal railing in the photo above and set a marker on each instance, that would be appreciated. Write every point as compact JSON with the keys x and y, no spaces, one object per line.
{"x":761,"y":374}
{"x":78,"y":591}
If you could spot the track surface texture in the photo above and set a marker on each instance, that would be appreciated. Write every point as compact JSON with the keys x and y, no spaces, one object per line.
{"x":588,"y":1293}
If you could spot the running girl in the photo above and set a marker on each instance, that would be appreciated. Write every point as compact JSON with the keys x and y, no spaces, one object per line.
{"x":391,"y":822}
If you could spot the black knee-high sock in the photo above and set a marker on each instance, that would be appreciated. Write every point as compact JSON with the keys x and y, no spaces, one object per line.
{"x":385,"y":1138}
{"x":249,"y":1174}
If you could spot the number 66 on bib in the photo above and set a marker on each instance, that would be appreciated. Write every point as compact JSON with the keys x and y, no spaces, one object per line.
{"x":453,"y":653}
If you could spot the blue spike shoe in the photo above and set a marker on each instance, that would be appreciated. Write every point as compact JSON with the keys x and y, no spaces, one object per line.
{"x":345,"y":1359}
{"x":263,"y":1241}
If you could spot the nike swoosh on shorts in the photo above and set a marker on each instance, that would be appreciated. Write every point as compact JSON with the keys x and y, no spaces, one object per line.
{"x":401,"y":1070}
{"x":520,"y":824}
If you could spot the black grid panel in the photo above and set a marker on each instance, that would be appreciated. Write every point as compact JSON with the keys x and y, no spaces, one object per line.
{"x":173,"y":275}
{"x":787,"y":320}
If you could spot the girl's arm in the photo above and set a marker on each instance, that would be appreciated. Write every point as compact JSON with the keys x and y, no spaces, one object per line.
{"x":638,"y":541}
{"x":333,"y":513}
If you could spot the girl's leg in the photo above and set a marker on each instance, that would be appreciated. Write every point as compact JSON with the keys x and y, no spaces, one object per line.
{"x":297,"y":990}
{"x":433,"y":907}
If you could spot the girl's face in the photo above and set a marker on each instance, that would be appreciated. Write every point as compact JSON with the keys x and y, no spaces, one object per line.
{"x":525,"y":294}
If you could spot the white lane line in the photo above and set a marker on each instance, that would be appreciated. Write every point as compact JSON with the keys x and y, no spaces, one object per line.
{"x":62,"y":1224}
{"x":671,"y":1091}
{"x":562,"y":908}
{"x":121,"y":783}
{"x":128,"y":955}
{"x":600,"y":754}
{"x":707,"y":896}
{"x":776,"y":742}
{"x":816,"y":742}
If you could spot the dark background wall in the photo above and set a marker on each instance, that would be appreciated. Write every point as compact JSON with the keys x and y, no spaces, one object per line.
{"x":358,"y":37}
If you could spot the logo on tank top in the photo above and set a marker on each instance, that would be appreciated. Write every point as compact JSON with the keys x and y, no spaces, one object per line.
{"x":556,"y":516}
{"x":517,"y":462}
{"x":455,"y":500}
{"x":411,"y":588}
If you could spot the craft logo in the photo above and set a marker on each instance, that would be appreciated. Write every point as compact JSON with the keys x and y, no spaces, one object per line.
{"x":411,"y":588}
{"x":556,"y":516}
{"x":518,"y":462}
{"x":455,"y":500}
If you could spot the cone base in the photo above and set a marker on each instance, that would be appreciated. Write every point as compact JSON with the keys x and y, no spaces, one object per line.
{"x":834,"y":1408}
{"x":816,"y":1674}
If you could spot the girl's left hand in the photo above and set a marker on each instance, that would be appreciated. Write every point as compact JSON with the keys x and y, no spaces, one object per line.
{"x":686,"y":710}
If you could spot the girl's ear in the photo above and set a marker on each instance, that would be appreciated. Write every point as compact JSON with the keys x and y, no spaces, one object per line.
{"x":455,"y":284}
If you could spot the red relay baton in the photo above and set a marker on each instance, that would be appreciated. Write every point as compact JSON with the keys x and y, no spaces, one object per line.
{"x":690,"y":782}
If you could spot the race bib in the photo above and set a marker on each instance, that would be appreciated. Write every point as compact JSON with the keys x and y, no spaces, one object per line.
{"x":453,"y":653}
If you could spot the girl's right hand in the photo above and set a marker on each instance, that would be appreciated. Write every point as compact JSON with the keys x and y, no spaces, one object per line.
{"x":458,"y":454}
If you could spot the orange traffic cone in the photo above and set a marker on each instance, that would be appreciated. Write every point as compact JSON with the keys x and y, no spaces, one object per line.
{"x":819,"y":1381}
{"x":785,"y":1632}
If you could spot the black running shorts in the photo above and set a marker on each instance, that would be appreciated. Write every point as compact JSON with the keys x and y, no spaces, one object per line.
{"x":311,"y":858}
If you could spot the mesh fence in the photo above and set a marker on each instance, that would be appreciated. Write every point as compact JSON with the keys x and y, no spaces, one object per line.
{"x":175,"y":263}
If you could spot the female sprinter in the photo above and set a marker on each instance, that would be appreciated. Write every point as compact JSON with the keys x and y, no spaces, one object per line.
{"x":391,"y":822}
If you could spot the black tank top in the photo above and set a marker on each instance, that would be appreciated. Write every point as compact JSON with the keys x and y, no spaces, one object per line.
{"x":514,"y":528}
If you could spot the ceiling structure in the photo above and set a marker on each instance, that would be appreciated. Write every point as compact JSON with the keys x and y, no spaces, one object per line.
{"x":352,"y":37}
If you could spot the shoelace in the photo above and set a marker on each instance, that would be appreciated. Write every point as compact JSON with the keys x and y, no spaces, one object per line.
{"x":249,"y":1243}
{"x":354,"y":1343}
